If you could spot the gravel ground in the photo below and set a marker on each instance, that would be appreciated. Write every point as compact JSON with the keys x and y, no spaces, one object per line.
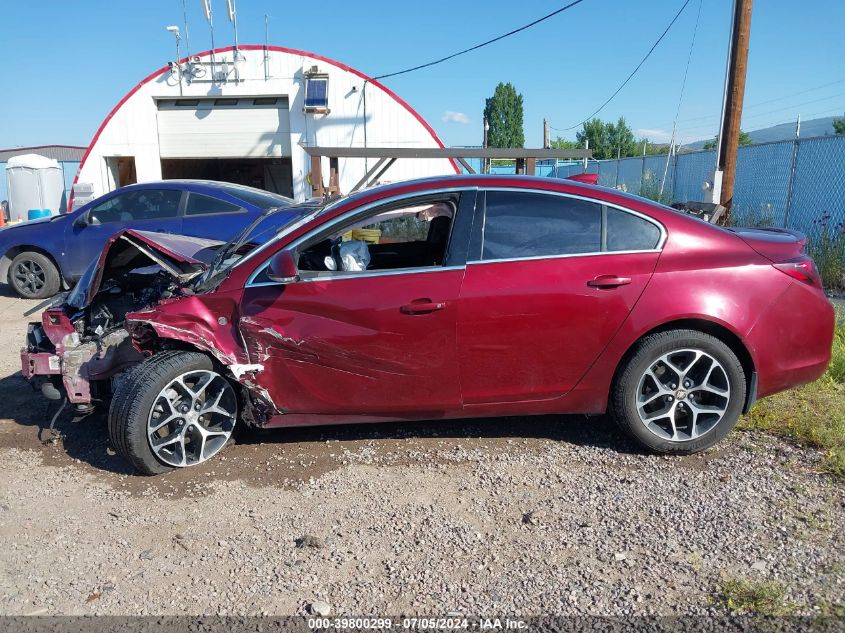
{"x":524,"y":516}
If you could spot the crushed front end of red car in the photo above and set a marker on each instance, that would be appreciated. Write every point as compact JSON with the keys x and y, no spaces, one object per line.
{"x":80,"y":345}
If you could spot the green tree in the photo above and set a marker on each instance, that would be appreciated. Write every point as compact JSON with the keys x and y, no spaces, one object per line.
{"x":621,"y":139}
{"x":608,"y":140}
{"x":564,"y":143}
{"x":839,"y":126}
{"x":744,"y":139}
{"x":503,"y":112}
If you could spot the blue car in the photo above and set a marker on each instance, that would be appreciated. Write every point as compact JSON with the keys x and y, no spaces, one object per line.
{"x":38,"y":257}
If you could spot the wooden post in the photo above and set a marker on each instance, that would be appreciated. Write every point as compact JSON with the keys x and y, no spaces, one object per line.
{"x":334,"y":181}
{"x":735,"y":94}
{"x":317,"y":176}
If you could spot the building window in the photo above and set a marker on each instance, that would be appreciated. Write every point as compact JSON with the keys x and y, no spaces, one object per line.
{"x":317,"y":93}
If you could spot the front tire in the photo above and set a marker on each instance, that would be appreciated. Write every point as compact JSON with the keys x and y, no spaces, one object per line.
{"x":679,"y":392}
{"x":174,"y":410}
{"x":34,"y":276}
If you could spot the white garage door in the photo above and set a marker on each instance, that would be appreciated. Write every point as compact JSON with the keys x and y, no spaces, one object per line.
{"x":242,"y":127}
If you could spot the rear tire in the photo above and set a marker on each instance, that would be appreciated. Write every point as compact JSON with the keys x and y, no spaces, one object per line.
{"x":34,"y":276}
{"x":173,"y":410}
{"x":679,"y":392}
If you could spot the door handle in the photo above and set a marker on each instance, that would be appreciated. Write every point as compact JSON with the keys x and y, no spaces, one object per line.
{"x":608,"y":281}
{"x":422,"y":306}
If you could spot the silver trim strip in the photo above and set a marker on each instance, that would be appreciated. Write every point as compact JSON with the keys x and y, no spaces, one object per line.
{"x":417,"y":194}
{"x":362,"y":275}
{"x":476,"y":262}
{"x":340,"y":219}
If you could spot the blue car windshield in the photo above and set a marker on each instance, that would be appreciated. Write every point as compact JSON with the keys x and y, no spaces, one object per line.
{"x":264,"y":229}
{"x":262,"y":199}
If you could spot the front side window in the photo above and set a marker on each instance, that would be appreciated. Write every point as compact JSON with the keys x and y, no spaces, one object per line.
{"x":409,"y":235}
{"x":144,"y":204}
{"x":206,"y":205}
{"x":519,"y":224}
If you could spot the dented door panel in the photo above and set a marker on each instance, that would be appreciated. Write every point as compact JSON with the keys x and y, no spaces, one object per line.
{"x":345,"y":345}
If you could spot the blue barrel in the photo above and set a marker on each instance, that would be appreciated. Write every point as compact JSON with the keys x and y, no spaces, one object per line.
{"x":34,"y":214}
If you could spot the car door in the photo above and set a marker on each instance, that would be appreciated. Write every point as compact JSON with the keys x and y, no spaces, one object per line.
{"x":213,"y":218}
{"x":141,"y":209}
{"x":550,"y":279}
{"x":373,"y":342}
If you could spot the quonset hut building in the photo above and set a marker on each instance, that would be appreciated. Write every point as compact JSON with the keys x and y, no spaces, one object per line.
{"x":244,"y":116}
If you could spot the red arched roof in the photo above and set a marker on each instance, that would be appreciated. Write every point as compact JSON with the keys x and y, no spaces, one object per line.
{"x":257,"y":47}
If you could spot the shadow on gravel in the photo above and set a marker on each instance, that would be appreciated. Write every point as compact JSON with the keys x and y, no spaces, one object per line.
{"x":597,"y":431}
{"x":285,"y":456}
{"x":85,"y":440}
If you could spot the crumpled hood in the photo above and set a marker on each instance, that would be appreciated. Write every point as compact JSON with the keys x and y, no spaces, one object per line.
{"x":181,"y":256}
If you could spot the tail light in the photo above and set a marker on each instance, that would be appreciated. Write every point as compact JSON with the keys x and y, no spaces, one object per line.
{"x":803,"y":269}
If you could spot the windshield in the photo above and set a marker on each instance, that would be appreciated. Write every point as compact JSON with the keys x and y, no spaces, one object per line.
{"x":256,"y":197}
{"x":260,"y":232}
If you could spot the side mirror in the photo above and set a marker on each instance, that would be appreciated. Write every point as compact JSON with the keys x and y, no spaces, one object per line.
{"x":82,"y":220}
{"x":282,"y":268}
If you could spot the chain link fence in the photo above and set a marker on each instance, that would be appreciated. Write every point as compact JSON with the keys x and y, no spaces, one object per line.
{"x":796,"y":184}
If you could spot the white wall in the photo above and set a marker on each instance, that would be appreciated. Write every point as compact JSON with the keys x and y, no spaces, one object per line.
{"x":132,"y":129}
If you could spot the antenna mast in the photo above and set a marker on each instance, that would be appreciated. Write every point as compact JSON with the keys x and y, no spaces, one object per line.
{"x":233,"y":18}
{"x":187,"y":37}
{"x":206,"y":5}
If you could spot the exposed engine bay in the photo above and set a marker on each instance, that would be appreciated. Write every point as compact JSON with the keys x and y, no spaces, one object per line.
{"x":80,"y":346}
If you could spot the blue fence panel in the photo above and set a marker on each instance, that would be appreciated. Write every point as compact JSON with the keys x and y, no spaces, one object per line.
{"x":630,"y":174}
{"x":607,"y":173}
{"x":818,"y":186}
{"x":691,"y":172}
{"x":761,"y":185}
{"x":653,"y":167}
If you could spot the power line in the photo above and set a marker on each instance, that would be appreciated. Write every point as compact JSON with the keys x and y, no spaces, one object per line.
{"x":768,"y":112}
{"x":759,"y":103}
{"x":772,"y":124}
{"x":631,"y":76}
{"x":686,"y":70}
{"x":477,"y":46}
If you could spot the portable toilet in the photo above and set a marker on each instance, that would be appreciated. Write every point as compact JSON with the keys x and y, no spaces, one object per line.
{"x":33,"y":182}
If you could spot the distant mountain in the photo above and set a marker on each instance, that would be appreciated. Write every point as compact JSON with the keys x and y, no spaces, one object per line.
{"x":782,"y":132}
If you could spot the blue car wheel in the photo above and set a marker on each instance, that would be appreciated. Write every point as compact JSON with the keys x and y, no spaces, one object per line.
{"x":34,"y":276}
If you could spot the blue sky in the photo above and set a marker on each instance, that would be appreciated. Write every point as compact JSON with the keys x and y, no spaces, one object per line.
{"x":67,"y":63}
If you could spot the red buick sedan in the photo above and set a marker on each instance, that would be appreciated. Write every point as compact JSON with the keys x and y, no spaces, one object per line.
{"x":444,"y":298}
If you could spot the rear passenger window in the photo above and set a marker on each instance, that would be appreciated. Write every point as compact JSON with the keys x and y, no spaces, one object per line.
{"x":628,"y":232}
{"x":521,"y":224}
{"x":203,"y":205}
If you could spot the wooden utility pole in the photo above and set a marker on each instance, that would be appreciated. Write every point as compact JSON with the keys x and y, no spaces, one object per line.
{"x":734,"y":94}
{"x":546,"y":134}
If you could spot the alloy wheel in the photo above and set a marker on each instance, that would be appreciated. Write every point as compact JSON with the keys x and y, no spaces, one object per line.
{"x":29,"y":276}
{"x":192,"y":418}
{"x":683,"y":395}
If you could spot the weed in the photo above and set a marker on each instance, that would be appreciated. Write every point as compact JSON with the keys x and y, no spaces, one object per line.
{"x":650,"y":188}
{"x":757,"y":598}
{"x":827,"y":248}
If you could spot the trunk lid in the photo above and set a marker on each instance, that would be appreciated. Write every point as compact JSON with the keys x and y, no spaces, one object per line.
{"x":776,"y":245}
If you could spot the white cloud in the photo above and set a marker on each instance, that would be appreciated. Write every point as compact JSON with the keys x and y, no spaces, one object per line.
{"x":664,"y":136}
{"x":455,"y":117}
{"x":657,"y":136}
